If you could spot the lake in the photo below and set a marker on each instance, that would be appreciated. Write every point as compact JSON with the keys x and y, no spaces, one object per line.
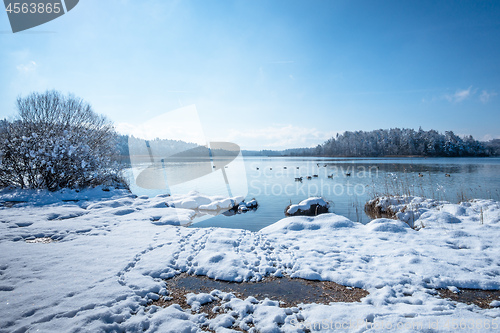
{"x":347,"y":183}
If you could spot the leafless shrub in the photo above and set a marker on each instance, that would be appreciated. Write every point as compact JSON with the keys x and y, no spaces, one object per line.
{"x":57,"y":142}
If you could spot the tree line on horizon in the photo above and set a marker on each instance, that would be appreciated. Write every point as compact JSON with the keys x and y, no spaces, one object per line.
{"x":395,"y":142}
{"x":376,"y":143}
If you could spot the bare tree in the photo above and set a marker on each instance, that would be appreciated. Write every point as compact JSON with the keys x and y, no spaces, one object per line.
{"x":56,"y":142}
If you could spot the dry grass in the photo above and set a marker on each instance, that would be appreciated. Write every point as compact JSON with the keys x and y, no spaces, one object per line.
{"x":481,"y":298}
{"x":375,"y":211}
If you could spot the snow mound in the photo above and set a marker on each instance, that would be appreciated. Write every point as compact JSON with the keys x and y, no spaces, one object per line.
{"x":429,"y":218}
{"x":387,"y":225}
{"x":197,"y":300}
{"x":195,"y":200}
{"x":174,"y":217}
{"x":301,"y":223}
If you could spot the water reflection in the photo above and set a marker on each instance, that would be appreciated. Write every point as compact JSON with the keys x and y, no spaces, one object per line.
{"x":348,"y":183}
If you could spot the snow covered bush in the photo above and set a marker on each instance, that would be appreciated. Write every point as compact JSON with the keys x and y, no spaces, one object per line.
{"x":405,"y":208}
{"x":57,"y":142}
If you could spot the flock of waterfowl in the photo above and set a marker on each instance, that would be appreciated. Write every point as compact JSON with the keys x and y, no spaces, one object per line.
{"x":299,"y":179}
{"x":347,"y":174}
{"x":446,"y":174}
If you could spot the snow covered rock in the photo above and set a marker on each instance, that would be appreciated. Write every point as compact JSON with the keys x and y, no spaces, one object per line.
{"x":244,"y":207}
{"x":311,"y":206}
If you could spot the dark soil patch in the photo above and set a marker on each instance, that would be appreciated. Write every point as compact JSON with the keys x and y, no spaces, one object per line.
{"x":290,"y":292}
{"x":481,"y":298}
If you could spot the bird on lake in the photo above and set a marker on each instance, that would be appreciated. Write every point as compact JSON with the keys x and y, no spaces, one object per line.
{"x":330,"y":176}
{"x":298,"y":179}
{"x":309,"y":177}
{"x":315,"y":176}
{"x":447,"y":175}
{"x":420,"y":175}
{"x":348,"y":174}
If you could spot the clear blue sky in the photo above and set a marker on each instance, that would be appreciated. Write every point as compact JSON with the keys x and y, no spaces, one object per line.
{"x":269,"y":74}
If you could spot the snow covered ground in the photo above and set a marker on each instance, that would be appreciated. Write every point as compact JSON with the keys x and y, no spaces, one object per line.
{"x":109,"y":257}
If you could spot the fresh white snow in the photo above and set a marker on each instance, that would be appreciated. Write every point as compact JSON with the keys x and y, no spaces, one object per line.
{"x":109,"y":257}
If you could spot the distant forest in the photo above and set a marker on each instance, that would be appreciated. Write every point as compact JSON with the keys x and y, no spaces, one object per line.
{"x":163,"y":148}
{"x":394,"y":142}
{"x":378,"y":143}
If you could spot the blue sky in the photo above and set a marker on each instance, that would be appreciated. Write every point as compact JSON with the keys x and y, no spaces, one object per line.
{"x":269,"y":74}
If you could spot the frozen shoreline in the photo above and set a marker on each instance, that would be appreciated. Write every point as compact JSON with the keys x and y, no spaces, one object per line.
{"x":110,"y":257}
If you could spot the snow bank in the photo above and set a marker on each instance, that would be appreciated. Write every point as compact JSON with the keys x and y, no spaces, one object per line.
{"x":45,"y":197}
{"x":109,"y":258}
{"x":194,"y":200}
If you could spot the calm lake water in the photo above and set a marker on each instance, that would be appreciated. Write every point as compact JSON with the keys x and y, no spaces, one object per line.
{"x":352,"y":182}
